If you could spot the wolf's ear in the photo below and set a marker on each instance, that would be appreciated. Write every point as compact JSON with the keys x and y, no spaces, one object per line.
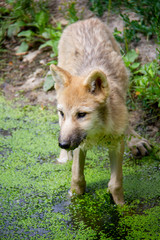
{"x":97,"y":83}
{"x":60,"y":76}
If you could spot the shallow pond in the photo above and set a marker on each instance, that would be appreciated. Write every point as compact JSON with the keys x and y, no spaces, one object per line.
{"x":34,"y":200}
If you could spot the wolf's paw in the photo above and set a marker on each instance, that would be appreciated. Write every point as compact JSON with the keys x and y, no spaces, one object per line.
{"x":117,"y":195}
{"x":64,"y":156}
{"x":75,"y":192}
{"x":62,"y":160}
{"x":78,"y":186}
{"x":139,"y":146}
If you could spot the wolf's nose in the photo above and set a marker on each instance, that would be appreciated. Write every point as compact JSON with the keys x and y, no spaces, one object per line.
{"x":64,"y":145}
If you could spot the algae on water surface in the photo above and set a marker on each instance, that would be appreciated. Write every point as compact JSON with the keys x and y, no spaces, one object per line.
{"x":34,"y":201}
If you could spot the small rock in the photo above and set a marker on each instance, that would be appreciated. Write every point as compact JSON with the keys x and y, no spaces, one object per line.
{"x":31,"y":56}
{"x":62,"y":21}
{"x":32,"y":84}
{"x":33,"y":81}
{"x":43,"y":62}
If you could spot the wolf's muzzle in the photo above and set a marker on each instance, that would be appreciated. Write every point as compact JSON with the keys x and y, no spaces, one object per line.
{"x":64,"y":145}
{"x":72,"y":141}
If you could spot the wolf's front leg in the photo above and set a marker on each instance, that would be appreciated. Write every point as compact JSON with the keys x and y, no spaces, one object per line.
{"x":78,"y":183}
{"x":65,"y":156}
{"x":115,"y":184}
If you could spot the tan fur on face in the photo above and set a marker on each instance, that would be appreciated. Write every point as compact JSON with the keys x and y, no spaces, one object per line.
{"x":81,"y":101}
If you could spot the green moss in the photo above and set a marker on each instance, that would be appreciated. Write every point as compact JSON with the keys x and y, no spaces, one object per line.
{"x":34,"y":188}
{"x":145,"y":226}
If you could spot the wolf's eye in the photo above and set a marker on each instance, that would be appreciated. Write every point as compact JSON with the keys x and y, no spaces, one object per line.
{"x":61,"y":113}
{"x":81,"y":114}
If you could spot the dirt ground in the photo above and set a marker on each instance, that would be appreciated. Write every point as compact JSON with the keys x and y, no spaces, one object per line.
{"x":22,"y":77}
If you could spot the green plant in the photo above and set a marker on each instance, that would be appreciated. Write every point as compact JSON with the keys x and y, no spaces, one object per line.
{"x":149,"y":12}
{"x":148,"y":23}
{"x":129,"y":60}
{"x":98,"y":6}
{"x":70,"y":12}
{"x":25,"y":18}
{"x":25,"y":14}
{"x":3,"y":26}
{"x":29,"y":20}
{"x":144,"y":79}
{"x":53,"y":34}
{"x":135,"y":26}
{"x":131,"y":31}
{"x":147,"y":84}
{"x":118,"y":35}
{"x":48,"y":83}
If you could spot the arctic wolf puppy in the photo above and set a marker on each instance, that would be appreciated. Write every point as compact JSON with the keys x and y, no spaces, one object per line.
{"x":91,"y":82}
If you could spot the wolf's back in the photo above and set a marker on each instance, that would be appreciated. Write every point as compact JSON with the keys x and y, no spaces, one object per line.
{"x":88,"y":45}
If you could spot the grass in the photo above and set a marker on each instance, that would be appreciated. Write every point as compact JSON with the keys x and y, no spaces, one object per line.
{"x":34,"y":188}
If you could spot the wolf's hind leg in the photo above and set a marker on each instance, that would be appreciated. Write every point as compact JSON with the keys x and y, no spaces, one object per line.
{"x":115,"y":184}
{"x":138,"y":145}
{"x":65,"y":156}
{"x":78,"y":183}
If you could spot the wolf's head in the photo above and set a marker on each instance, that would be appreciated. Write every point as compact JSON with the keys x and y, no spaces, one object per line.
{"x":81,"y":104}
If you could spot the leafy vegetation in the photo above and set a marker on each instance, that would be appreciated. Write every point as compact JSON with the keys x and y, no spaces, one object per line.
{"x":131,"y":31}
{"x":147,"y":84}
{"x":144,"y":79}
{"x":148,"y":12}
{"x":98,"y":6}
{"x":29,"y":20}
{"x":70,"y":12}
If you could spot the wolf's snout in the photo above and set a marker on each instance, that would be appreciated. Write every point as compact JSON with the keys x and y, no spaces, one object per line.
{"x":64,"y":144}
{"x":71,"y":141}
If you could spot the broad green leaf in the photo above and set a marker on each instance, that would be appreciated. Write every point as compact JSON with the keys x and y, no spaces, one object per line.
{"x":14,"y":28}
{"x":55,"y":34}
{"x":52,"y":62}
{"x":53,"y":44}
{"x":27,"y":34}
{"x":41,"y":19}
{"x":46,"y":35}
{"x":151,"y":72}
{"x":131,"y":56}
{"x":52,"y":55}
{"x":55,"y":47}
{"x":49,"y":83}
{"x":59,"y":26}
{"x":23,"y":47}
{"x":134,"y":65}
{"x":47,"y":44}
